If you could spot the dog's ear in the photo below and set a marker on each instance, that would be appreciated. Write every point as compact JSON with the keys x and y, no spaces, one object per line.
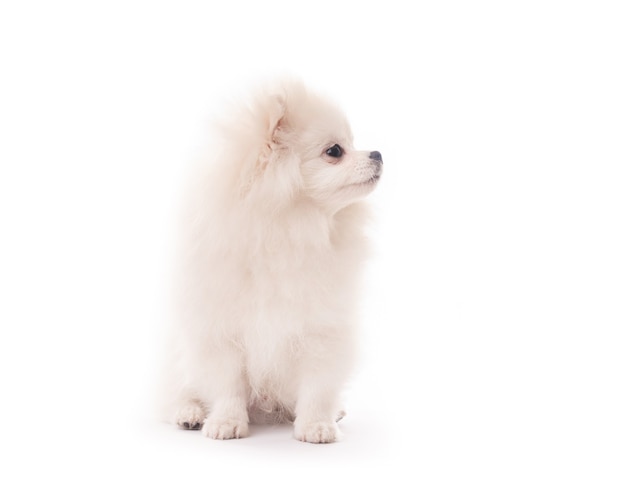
{"x":283,"y":97}
{"x":273,"y":113}
{"x":276,"y":120}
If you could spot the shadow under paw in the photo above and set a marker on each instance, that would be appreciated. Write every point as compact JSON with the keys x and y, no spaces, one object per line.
{"x":190,"y":426}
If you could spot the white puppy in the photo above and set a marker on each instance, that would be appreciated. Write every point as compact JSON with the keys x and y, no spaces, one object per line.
{"x":273,"y":246}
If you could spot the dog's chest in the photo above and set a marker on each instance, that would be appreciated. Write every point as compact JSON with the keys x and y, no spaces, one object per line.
{"x":272,"y":358}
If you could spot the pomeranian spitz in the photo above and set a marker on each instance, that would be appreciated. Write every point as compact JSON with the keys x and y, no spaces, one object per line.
{"x":273,"y":245}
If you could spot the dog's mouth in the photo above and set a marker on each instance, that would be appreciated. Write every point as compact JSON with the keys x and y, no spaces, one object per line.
{"x":373,"y":180}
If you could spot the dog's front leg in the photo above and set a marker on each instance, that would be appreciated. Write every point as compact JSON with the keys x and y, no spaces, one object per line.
{"x":228,"y":416}
{"x":316,"y":413}
{"x":317,"y":406}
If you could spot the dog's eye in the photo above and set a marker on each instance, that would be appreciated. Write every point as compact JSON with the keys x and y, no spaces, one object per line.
{"x":334,"y":151}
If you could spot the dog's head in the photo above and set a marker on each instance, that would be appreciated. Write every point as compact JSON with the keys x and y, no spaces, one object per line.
{"x":305,"y":151}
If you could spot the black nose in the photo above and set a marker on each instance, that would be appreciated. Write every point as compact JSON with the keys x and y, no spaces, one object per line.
{"x":376,"y":156}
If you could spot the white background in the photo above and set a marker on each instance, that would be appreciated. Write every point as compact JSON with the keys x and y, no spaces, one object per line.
{"x":493,"y":322}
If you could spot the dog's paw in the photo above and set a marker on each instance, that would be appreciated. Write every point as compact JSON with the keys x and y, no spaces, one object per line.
{"x":225,"y":428}
{"x":190,"y":417}
{"x":317,"y":431}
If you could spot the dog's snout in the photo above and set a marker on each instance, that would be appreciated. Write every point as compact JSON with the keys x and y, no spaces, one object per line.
{"x":376,"y":156}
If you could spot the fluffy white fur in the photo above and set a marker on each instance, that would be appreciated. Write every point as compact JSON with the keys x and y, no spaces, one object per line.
{"x":273,"y":244}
